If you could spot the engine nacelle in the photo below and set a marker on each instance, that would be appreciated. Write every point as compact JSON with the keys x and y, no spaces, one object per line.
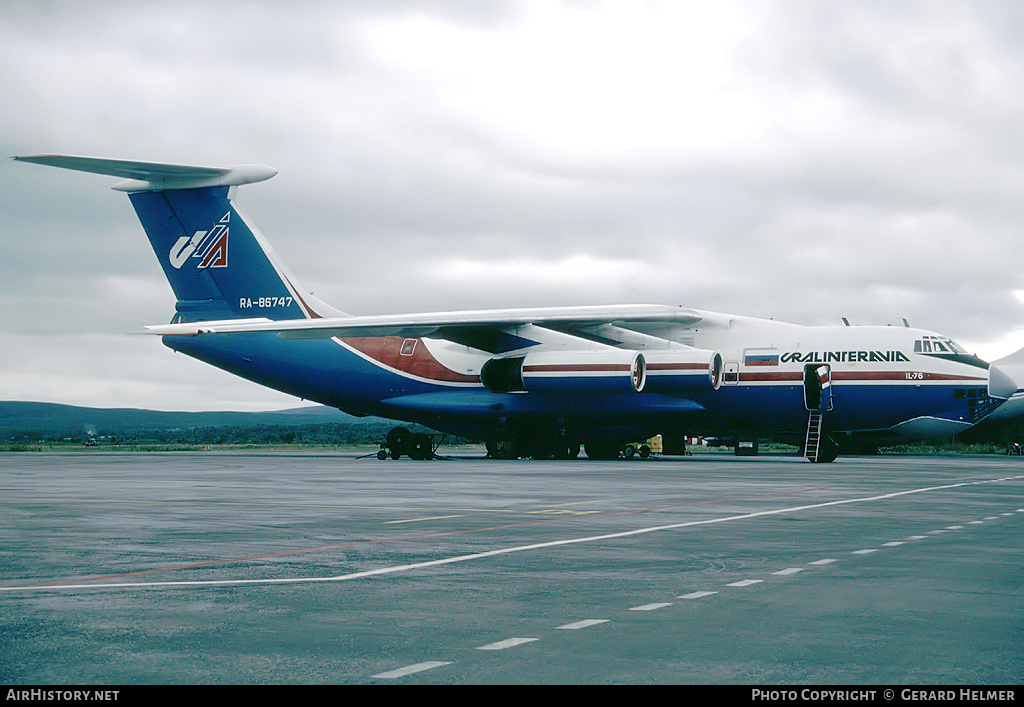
{"x":583,"y":372}
{"x":682,"y":372}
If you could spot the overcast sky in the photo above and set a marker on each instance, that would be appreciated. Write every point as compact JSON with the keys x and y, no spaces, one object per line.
{"x":805,"y":161}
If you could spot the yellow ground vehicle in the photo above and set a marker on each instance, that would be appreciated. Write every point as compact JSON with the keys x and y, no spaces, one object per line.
{"x":645,"y":448}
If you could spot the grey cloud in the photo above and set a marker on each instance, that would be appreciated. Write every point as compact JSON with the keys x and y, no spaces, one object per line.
{"x":858,"y":160}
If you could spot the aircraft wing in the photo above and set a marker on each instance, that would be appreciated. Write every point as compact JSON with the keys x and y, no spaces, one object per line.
{"x":493,"y":330}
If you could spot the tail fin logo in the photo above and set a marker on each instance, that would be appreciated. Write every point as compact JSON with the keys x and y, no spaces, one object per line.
{"x":210,"y":247}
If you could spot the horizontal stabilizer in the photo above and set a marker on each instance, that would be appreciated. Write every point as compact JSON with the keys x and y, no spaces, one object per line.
{"x":155,"y":176}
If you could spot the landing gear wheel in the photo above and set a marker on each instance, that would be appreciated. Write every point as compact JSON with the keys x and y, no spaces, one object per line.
{"x":397,"y":440}
{"x":500,"y":448}
{"x":419,"y":446}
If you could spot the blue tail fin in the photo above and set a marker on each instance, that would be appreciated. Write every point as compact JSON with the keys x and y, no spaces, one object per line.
{"x":218,"y":264}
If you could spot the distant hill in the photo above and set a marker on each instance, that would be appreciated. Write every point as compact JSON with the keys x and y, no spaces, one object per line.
{"x":51,"y":419}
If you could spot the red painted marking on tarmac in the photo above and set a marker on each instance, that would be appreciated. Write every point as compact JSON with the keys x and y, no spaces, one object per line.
{"x":322,"y":548}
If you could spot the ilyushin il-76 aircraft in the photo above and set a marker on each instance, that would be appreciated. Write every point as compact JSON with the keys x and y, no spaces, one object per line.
{"x":543,"y":382}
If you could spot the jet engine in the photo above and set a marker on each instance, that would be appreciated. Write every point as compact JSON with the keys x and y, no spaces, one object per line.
{"x":683,"y":372}
{"x":578,"y":372}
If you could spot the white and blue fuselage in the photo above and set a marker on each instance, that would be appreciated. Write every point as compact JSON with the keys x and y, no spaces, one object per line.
{"x":887,"y":383}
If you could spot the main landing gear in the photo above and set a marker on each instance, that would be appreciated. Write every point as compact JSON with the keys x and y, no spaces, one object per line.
{"x":401,"y":442}
{"x":554,"y":446}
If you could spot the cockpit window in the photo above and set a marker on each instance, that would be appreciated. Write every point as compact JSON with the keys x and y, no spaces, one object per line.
{"x":936,"y":344}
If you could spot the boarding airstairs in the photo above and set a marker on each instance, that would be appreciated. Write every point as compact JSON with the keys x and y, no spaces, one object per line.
{"x":812,"y":444}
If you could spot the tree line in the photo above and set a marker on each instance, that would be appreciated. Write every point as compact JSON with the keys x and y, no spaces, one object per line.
{"x":317,"y":434}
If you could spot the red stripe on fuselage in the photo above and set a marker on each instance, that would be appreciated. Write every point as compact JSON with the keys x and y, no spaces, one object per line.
{"x":902,"y":376}
{"x":860,"y":376}
{"x":387,"y":350}
{"x":677,"y":367}
{"x":576,"y":367}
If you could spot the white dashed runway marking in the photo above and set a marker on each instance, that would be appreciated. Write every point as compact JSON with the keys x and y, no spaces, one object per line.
{"x":744,"y":583}
{"x":696,"y":595}
{"x":586,"y":623}
{"x":411,"y":669}
{"x":507,"y":643}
